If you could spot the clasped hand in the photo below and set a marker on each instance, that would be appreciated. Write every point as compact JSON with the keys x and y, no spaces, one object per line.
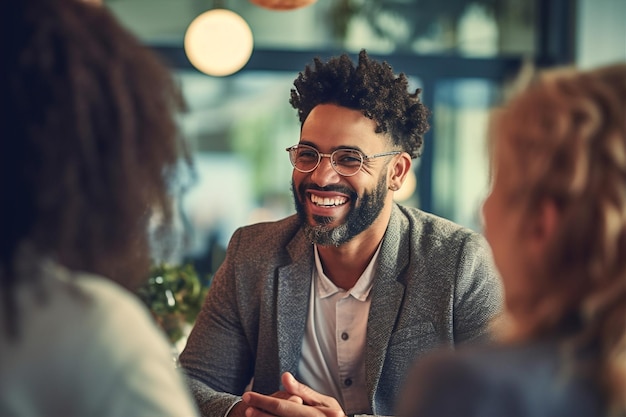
{"x":298,"y":400}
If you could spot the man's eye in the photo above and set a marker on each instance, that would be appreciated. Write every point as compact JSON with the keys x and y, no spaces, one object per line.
{"x":347,"y":158}
{"x":307,"y":155}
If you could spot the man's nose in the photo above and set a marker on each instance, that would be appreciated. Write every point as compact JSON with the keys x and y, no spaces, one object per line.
{"x":324,"y":173}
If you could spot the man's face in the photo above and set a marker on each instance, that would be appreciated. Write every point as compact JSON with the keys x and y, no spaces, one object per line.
{"x":335,"y":208}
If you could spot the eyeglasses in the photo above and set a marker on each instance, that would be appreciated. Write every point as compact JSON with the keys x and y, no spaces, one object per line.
{"x":346,"y":162}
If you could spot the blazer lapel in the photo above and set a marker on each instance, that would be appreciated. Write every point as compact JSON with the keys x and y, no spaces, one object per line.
{"x":293,"y":293}
{"x":387,"y":295}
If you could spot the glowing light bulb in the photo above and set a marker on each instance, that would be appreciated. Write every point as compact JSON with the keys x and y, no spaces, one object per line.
{"x":218,"y":42}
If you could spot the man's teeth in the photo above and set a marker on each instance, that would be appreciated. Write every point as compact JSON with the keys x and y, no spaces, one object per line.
{"x":325,"y":201}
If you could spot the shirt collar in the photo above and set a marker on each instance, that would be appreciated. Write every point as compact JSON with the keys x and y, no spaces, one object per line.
{"x":361,"y":289}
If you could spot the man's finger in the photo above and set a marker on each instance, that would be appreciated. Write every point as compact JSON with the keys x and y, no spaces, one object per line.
{"x":270,"y":405}
{"x":308,"y":395}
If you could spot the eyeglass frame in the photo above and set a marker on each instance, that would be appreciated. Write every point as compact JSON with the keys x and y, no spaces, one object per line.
{"x":333,"y":164}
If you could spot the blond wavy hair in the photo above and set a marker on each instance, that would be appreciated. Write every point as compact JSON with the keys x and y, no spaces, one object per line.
{"x":567,"y":130}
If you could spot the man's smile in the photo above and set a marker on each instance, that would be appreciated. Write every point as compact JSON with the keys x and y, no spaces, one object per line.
{"x":327,"y":201}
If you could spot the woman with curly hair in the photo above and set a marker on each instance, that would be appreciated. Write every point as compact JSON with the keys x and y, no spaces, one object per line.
{"x":89,"y":147}
{"x":556,"y":220}
{"x":344,"y":293}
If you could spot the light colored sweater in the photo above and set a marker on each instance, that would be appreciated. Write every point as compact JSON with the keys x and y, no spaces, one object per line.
{"x":85,"y":347}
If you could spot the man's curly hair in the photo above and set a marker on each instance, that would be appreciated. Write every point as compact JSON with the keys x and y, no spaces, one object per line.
{"x":370,"y":87}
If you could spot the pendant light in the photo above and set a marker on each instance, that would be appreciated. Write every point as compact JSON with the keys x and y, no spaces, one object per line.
{"x":218,"y":42}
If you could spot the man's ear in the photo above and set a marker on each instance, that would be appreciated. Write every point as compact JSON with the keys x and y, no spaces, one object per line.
{"x":398,"y":170}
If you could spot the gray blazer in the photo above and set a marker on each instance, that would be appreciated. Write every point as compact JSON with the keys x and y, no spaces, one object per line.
{"x":434,"y":286}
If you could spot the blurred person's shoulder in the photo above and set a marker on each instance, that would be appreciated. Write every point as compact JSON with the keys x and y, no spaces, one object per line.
{"x":531,"y":380}
{"x":78,"y":305}
{"x":78,"y":332}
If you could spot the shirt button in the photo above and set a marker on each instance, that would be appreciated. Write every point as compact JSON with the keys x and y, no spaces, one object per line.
{"x":344,"y":336}
{"x":348,"y":382}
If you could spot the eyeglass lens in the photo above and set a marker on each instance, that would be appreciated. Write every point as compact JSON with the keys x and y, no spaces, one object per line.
{"x":344,"y":161}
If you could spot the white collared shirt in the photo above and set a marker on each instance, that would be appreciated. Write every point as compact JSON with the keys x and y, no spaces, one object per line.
{"x":333,"y":349}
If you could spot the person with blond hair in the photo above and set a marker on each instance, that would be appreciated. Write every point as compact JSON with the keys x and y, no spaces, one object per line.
{"x":556,"y":221}
{"x":89,"y":147}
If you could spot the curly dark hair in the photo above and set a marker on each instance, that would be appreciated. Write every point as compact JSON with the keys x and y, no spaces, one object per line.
{"x":370,"y":87}
{"x":89,"y":139}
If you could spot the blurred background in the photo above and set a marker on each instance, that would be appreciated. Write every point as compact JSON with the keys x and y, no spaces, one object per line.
{"x":463,"y":54}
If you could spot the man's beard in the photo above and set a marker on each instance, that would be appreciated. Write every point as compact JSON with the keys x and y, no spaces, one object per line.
{"x":358,"y":219}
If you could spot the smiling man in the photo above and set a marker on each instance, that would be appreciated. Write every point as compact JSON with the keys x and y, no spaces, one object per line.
{"x":345,"y":294}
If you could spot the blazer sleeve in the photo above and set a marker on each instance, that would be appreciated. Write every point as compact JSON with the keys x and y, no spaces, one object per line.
{"x":477,"y":293}
{"x":218,"y":357}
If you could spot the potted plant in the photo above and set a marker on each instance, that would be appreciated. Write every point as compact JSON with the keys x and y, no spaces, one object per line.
{"x":174,"y":294}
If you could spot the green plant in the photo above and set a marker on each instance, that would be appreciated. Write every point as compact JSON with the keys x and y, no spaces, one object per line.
{"x":174,"y":294}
